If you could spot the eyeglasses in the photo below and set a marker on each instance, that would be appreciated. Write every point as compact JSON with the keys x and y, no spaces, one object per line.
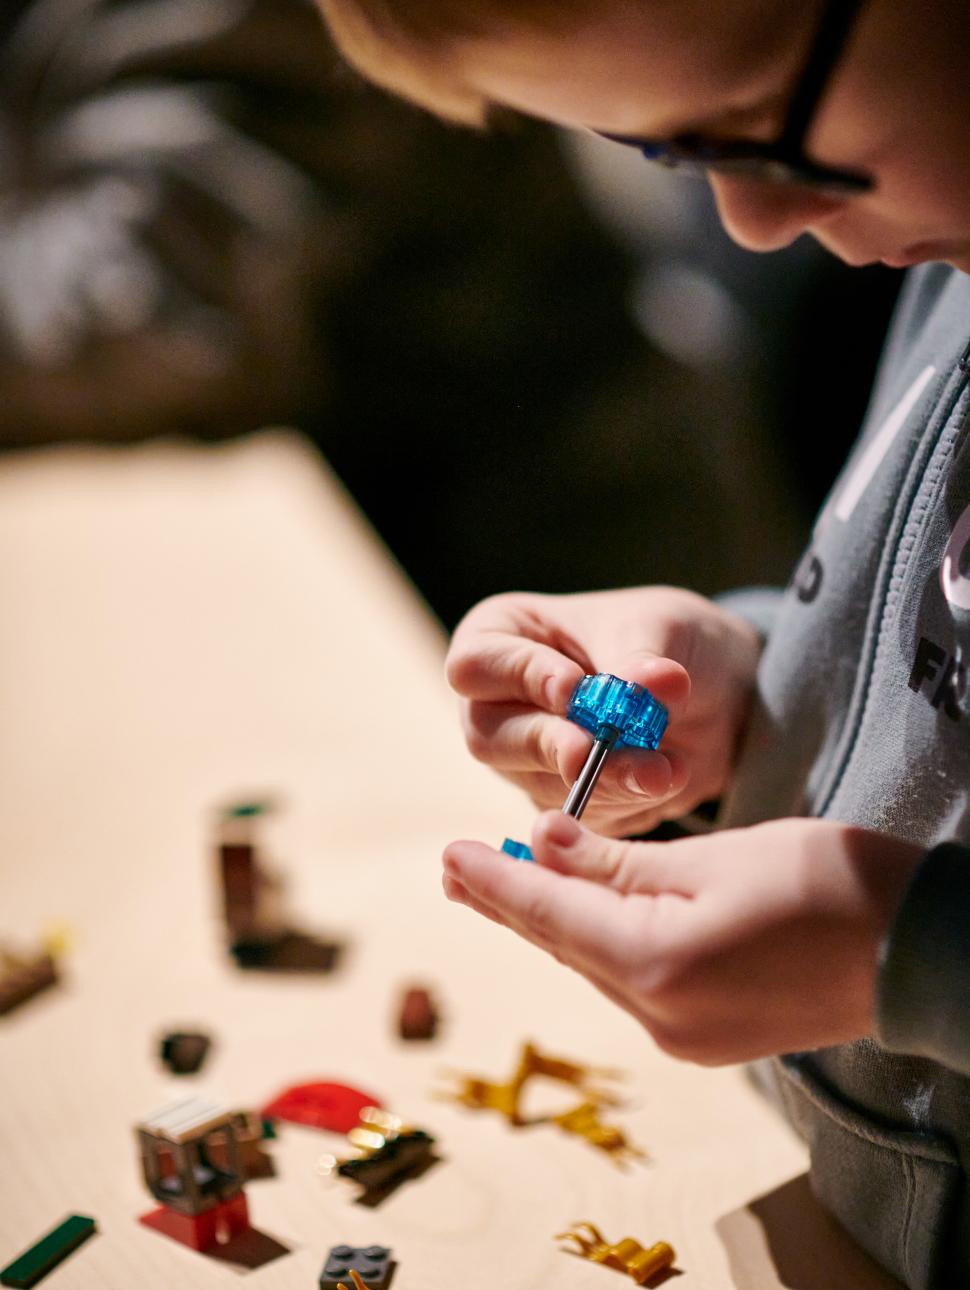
{"x":784,"y":161}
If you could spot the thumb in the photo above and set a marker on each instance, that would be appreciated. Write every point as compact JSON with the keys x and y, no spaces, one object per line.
{"x":561,"y":843}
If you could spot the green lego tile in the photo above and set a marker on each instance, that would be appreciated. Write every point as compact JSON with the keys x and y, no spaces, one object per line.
{"x":36,"y":1262}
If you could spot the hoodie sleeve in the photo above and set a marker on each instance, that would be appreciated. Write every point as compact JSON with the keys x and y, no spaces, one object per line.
{"x":923,"y":985}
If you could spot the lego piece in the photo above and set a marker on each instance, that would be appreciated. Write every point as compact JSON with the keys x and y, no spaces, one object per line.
{"x":355,"y":1278}
{"x":605,"y":703}
{"x":192,"y":1163}
{"x":214,"y":1226}
{"x":418,"y":1016}
{"x":517,"y":850}
{"x":479,"y":1094}
{"x":23,"y":976}
{"x":255,"y":1162}
{"x":389,"y":1153}
{"x":183,"y":1052}
{"x":372,"y":1262}
{"x":289,"y":951}
{"x":258,"y":934}
{"x":35,"y":1263}
{"x":616,"y":713}
{"x":627,"y":1256}
{"x":584,"y":1120}
{"x":321,"y":1105}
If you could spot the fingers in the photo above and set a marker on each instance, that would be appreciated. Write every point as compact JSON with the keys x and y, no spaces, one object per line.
{"x":614,"y":990}
{"x":581,"y":923}
{"x":510,"y":737}
{"x":514,"y":739}
{"x":644,"y":868}
{"x":666,"y":679}
{"x":500,"y":666}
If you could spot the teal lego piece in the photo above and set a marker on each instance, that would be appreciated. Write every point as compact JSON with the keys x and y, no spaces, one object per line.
{"x":35,"y":1263}
{"x":246,"y":810}
{"x":517,"y":850}
{"x":621,"y":711}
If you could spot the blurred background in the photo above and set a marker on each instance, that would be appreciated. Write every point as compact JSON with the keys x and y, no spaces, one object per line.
{"x":534,"y":361}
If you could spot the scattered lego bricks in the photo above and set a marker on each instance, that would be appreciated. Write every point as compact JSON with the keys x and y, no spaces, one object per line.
{"x":35,"y":1263}
{"x":372,"y":1263}
{"x":418,"y":1016}
{"x":628,"y":1255}
{"x":22,"y":976}
{"x":183,"y":1051}
{"x":321,"y":1105}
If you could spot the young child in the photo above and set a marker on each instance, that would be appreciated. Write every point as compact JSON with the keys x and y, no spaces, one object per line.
{"x":829,"y":918}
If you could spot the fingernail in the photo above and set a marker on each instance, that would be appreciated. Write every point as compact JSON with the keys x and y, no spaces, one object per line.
{"x":455,"y":891}
{"x":563,"y":831}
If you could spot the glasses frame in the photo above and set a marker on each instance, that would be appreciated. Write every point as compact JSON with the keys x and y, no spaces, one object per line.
{"x":785,"y":160}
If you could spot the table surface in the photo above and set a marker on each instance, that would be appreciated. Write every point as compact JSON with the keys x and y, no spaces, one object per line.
{"x":180,"y":627}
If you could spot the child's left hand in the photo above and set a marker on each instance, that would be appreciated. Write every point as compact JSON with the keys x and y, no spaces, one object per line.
{"x":725,"y":947}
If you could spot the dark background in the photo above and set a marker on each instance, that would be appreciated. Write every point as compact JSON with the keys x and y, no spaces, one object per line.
{"x":525,"y":377}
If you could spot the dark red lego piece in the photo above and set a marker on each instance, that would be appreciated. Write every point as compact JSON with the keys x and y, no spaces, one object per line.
{"x":418,"y":1018}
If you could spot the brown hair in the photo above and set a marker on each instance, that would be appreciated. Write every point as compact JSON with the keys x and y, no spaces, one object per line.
{"x":414,"y":47}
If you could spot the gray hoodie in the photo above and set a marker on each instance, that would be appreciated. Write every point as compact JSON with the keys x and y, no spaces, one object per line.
{"x":863,"y":716}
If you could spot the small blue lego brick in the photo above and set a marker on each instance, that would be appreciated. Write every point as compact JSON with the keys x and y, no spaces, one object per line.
{"x":517,"y":850}
{"x":373,"y":1262}
{"x":609,"y":707}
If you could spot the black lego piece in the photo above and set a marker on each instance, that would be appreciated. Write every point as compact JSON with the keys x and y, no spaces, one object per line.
{"x":183,"y":1052}
{"x":373,"y":1262}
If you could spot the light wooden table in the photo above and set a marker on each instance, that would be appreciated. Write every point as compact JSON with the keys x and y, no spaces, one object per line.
{"x":179,"y":627}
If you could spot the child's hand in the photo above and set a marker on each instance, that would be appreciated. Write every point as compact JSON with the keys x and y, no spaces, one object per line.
{"x":516,"y":659}
{"x":726,"y":947}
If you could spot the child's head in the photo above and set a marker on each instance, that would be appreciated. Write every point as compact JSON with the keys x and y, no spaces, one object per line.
{"x":896,"y":105}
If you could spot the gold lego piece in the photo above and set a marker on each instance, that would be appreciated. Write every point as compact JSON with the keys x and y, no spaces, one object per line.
{"x":480,"y":1094}
{"x":584,"y":1120}
{"x":532,"y":1062}
{"x":627,"y":1256}
{"x":356,"y":1278}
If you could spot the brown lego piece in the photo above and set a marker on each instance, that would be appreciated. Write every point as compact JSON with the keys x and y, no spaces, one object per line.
{"x":23,"y":976}
{"x":179,"y":1148}
{"x":418,"y":1016}
{"x":254,"y":1160}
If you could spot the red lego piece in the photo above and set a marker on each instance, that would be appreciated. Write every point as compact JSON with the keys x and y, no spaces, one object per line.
{"x":213,"y":1226}
{"x":321,"y":1105}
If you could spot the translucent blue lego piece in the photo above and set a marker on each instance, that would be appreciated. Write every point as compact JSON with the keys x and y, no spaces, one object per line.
{"x":517,"y":850}
{"x":603,"y":703}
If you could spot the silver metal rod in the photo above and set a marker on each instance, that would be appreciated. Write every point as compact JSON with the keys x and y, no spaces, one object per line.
{"x":575,"y":803}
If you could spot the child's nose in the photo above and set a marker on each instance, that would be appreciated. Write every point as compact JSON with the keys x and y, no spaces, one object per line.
{"x":763,"y":216}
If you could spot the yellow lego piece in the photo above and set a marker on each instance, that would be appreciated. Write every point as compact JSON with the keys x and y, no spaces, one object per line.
{"x":628,"y":1255}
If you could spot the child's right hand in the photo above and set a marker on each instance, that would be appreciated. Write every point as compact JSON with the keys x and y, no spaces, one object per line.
{"x":515,"y":660}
